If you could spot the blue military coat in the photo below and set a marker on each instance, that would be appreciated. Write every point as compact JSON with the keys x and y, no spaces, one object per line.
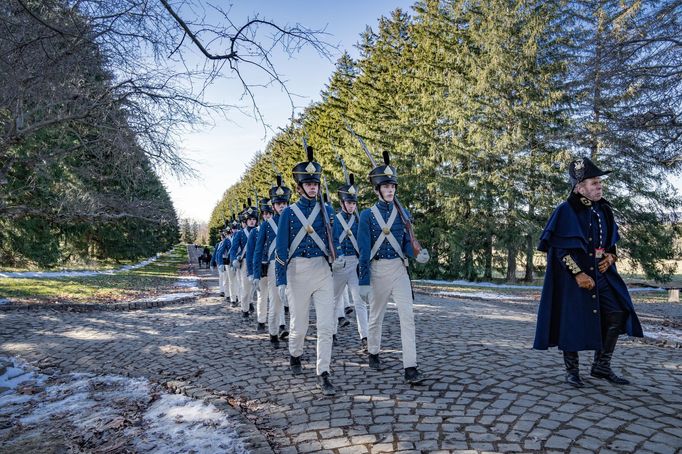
{"x":568,"y":316}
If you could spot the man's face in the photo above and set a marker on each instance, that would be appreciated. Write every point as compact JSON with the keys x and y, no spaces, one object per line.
{"x":591,"y":188}
{"x":251,"y":222}
{"x":387,"y":191}
{"x":311,"y":189}
{"x":350,"y":207}
{"x":279,"y":206}
{"x":266,"y":215}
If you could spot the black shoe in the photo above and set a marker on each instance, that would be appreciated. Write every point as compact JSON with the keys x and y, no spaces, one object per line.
{"x":283,"y":333}
{"x":222,"y":293}
{"x":363,"y":341}
{"x":375,"y":362}
{"x":335,"y":341}
{"x":343,"y":321}
{"x":251,"y":308}
{"x":348,"y":310}
{"x":295,"y":365}
{"x":260,"y":328}
{"x":572,"y":363}
{"x":613,"y":324}
{"x":325,"y":385}
{"x":286,"y":310}
{"x":245,"y":315}
{"x":601,"y":368}
{"x":274,"y":341}
{"x":413,"y":376}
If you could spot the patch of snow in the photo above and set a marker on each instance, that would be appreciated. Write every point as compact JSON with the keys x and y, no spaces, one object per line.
{"x":189,"y":282}
{"x":4,"y":301}
{"x":144,"y":416}
{"x":76,"y":273}
{"x":168,"y":297}
{"x":484,"y":295}
{"x":660,"y":332}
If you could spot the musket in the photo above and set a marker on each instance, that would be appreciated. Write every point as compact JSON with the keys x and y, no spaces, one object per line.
{"x":401,"y":210}
{"x":327,"y":195}
{"x":325,"y":215}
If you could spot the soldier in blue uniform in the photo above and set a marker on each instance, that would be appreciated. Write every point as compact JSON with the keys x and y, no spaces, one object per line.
{"x":220,"y":256}
{"x":384,"y":251}
{"x":238,"y":258}
{"x":585,"y":304}
{"x":345,"y":233}
{"x":303,"y":272}
{"x":265,"y":248}
{"x":256,"y":261}
{"x":232,"y":288}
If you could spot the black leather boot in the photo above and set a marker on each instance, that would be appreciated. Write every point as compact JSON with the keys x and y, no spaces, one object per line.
{"x":572,"y":364}
{"x":601,"y":368}
{"x":325,"y":385}
{"x":245,"y":315}
{"x":274,"y":341}
{"x":260,"y":328}
{"x":343,"y":321}
{"x":251,"y":308}
{"x":363,"y":343}
{"x":375,"y":362}
{"x":295,"y":365}
{"x":283,"y":333}
{"x":413,"y":376}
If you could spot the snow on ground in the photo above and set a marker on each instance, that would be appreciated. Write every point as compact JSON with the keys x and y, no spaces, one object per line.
{"x":86,"y":412}
{"x":484,"y":295}
{"x":664,"y":333}
{"x":75,"y":273}
{"x":167,"y":297}
{"x":462,"y":283}
{"x":4,"y":301}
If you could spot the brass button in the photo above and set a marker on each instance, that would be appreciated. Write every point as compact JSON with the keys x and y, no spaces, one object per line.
{"x":591,"y":254}
{"x":594,"y":296}
{"x":591,"y":268}
{"x":589,"y":239}
{"x":309,"y":229}
{"x":594,"y":311}
{"x":386,"y":230}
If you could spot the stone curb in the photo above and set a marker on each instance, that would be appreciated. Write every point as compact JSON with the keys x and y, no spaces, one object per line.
{"x":254,"y":441}
{"x":90,"y":307}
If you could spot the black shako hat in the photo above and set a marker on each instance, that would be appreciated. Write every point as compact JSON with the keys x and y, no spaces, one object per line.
{"x":280,"y":193}
{"x":348,"y":192}
{"x":265,"y":206}
{"x":583,"y":168}
{"x":308,"y":171}
{"x":250,"y":211}
{"x":383,"y":174}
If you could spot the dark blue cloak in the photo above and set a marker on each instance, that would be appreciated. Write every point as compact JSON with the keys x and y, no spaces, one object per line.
{"x":568,"y":316}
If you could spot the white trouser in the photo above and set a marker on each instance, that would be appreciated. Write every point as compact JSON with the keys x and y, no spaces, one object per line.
{"x":275,"y":308}
{"x":348,"y":276}
{"x":310,"y":279}
{"x":245,"y":287}
{"x":232,"y":283}
{"x":221,"y":278}
{"x":262,"y":306}
{"x":389,"y":279}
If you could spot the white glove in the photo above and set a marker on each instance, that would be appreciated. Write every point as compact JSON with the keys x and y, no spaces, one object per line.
{"x":339,"y":263}
{"x":255,"y":281}
{"x":235,"y":264}
{"x":282,"y":289}
{"x":365,"y":290}
{"x":423,"y":256}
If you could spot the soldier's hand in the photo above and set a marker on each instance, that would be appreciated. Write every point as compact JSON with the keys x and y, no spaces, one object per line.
{"x":364,"y":291}
{"x":235,"y":264}
{"x":606,"y":262}
{"x":423,"y":256}
{"x":584,"y":281}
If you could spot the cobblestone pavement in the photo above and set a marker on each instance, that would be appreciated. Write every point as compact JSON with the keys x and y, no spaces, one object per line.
{"x":492,"y":392}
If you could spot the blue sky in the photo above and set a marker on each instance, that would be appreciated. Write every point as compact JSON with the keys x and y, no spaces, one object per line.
{"x":220,"y":153}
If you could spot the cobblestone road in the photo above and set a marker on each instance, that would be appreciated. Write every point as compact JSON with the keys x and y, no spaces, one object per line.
{"x":493,"y":392}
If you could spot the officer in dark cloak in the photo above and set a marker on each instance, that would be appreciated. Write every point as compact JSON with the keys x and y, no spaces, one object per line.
{"x":585,"y":304}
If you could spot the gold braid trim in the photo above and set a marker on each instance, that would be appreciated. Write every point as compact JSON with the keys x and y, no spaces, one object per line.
{"x":571,"y":265}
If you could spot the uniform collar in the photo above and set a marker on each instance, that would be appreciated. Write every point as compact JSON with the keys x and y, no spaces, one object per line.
{"x":579,"y":203}
{"x":384,"y":205}
{"x":306,"y":202}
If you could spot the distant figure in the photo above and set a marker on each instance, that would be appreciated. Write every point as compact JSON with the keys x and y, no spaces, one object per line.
{"x":205,"y":258}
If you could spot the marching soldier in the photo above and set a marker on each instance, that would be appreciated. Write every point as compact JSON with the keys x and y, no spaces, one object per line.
{"x":237,"y":258}
{"x":585,"y":304}
{"x":232,"y":283}
{"x":256,"y":261}
{"x":220,"y":256}
{"x":265,"y":275}
{"x":384,"y":251}
{"x":345,"y":233}
{"x":302,"y":269}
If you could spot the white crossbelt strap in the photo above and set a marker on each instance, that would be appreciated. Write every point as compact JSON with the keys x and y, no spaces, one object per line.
{"x":347,"y":232}
{"x":383,"y":236}
{"x":243,"y":253}
{"x":273,"y":245}
{"x":306,"y":222}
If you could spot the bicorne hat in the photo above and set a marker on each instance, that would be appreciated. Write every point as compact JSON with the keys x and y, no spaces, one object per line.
{"x":583,"y":168}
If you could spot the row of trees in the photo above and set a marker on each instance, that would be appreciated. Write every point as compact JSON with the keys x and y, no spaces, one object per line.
{"x":482,"y":104}
{"x":94,"y":95}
